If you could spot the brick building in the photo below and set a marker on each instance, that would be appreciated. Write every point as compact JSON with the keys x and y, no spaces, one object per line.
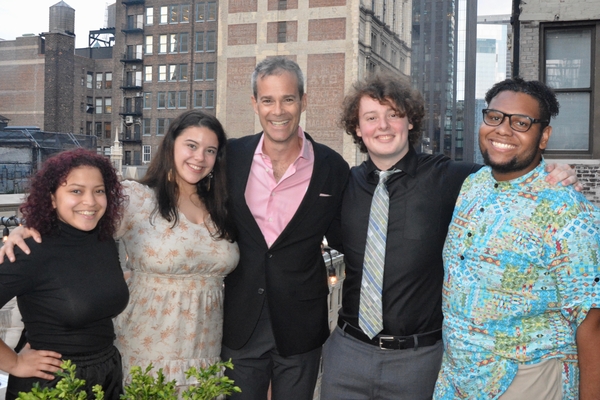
{"x":335,"y":42}
{"x":557,"y":42}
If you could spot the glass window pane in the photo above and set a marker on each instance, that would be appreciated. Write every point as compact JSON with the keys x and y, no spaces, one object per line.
{"x":570,"y":130}
{"x":568,"y":58}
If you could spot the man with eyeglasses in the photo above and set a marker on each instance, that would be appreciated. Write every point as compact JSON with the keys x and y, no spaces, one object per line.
{"x":521,"y":261}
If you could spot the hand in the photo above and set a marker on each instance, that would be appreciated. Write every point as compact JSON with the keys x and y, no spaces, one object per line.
{"x":36,"y":363}
{"x":563,"y":174}
{"x":16,"y":238}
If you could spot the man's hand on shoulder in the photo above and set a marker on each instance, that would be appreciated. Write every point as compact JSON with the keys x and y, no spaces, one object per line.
{"x":17,"y":238}
{"x":563,"y":174}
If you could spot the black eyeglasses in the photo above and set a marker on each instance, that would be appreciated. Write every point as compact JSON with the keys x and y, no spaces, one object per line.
{"x":518,"y":122}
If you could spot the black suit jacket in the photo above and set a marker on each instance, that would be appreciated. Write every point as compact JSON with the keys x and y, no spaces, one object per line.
{"x":291,"y":273}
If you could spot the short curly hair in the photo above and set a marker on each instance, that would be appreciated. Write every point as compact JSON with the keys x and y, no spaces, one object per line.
{"x":38,"y":211}
{"x":544,"y":95}
{"x":387,"y":89}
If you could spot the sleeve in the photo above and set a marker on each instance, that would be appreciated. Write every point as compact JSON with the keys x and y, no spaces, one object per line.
{"x":135,"y":199}
{"x":576,"y":263}
{"x":18,"y":278}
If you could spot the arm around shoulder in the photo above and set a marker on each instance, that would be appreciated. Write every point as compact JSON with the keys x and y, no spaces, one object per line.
{"x":588,"y":351}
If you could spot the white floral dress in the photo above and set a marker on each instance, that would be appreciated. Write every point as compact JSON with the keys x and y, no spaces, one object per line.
{"x":174,"y":318}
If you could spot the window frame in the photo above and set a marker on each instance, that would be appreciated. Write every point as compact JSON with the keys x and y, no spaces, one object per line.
{"x":594,"y":88}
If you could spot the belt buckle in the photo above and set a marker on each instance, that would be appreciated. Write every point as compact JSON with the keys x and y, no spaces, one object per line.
{"x":389,"y":339}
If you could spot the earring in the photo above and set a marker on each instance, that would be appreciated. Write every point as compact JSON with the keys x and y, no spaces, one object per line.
{"x":209,"y":176}
{"x":170,"y":175}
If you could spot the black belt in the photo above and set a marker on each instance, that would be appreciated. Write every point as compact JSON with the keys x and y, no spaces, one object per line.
{"x":388,"y":342}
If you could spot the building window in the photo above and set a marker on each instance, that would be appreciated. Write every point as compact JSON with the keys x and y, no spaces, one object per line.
{"x":148,"y":44}
{"x":182,"y":99}
{"x":174,"y":14}
{"x":162,"y":73}
{"x":282,"y":32}
{"x":107,"y":130}
{"x":108,"y":80}
{"x":90,"y":78}
{"x":99,"y":80}
{"x":107,"y":151}
{"x":161,"y":126}
{"x":185,"y":13}
{"x":164,"y":14}
{"x":210,"y":99}
{"x":200,"y":12}
{"x":173,"y":42}
{"x":211,"y":41}
{"x":199,"y":41}
{"x":99,"y":105}
{"x":198,"y":99}
{"x":199,"y":71}
{"x":146,"y":149}
{"x":211,"y":12}
{"x":147,"y":73}
{"x":162,"y":44}
{"x":98,"y":129}
{"x":108,"y":105}
{"x":568,"y":69}
{"x":172,"y":100}
{"x":149,"y":16}
{"x":161,"y":100}
{"x":88,"y":128}
{"x":183,"y":72}
{"x":210,"y":71}
{"x":147,"y":100}
{"x":172,"y":72}
{"x":183,"y":42}
{"x":146,"y":127}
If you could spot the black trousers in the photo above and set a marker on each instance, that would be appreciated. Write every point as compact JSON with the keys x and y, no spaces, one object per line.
{"x":102,"y":368}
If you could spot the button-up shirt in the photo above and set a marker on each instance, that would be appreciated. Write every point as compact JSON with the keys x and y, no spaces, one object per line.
{"x":272,"y":203}
{"x":422,"y":197}
{"x":521,"y":272}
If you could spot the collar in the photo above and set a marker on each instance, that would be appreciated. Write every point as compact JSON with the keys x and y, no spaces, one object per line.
{"x":305,"y":149}
{"x":540,"y":170}
{"x":408,"y":164}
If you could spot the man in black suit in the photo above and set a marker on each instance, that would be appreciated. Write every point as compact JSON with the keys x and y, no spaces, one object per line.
{"x":285,"y":191}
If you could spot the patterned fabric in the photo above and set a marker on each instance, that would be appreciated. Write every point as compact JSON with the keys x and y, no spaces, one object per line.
{"x":174,"y":319}
{"x":522,"y":268}
{"x":370,"y":317}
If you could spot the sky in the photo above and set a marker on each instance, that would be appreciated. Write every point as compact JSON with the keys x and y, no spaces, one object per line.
{"x":90,"y":15}
{"x":19,"y":17}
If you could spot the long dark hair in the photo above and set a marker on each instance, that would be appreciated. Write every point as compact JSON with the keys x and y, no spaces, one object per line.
{"x":211,"y":190}
{"x":38,"y":210}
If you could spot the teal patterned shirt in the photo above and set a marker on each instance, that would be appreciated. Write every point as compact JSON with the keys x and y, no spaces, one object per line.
{"x":521,"y":263}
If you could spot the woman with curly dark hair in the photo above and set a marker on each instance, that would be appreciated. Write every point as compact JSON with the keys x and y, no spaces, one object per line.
{"x":71,"y":286}
{"x":179,"y":240}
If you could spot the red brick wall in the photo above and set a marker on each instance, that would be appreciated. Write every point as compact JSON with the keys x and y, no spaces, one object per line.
{"x":325,"y":89}
{"x":241,"y":34}
{"x":236,"y":6}
{"x":327,"y":29}
{"x":291,"y":31}
{"x":239,"y":119}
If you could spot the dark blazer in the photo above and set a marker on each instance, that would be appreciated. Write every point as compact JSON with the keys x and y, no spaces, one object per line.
{"x":291,"y":274}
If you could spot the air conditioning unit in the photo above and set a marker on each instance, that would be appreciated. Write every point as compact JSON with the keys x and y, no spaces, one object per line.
{"x":128,"y":120}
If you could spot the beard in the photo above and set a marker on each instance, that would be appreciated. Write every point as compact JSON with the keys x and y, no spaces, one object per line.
{"x":516,"y":164}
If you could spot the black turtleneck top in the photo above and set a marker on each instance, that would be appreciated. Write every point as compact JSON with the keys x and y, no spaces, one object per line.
{"x":68,"y":290}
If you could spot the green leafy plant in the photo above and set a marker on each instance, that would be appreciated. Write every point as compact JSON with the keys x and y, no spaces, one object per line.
{"x":68,"y":388}
{"x":144,"y":386}
{"x":210,"y":385}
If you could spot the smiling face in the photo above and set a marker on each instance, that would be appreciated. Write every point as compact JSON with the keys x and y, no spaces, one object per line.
{"x":81,"y":200}
{"x":383,"y":131}
{"x":279,"y":106}
{"x":195,"y":153}
{"x":512,"y":154}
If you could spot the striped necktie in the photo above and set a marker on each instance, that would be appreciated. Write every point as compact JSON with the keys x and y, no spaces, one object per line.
{"x":370,"y":318}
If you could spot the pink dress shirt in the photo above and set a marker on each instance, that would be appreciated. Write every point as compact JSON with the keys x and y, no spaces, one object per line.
{"x":272,"y":203}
